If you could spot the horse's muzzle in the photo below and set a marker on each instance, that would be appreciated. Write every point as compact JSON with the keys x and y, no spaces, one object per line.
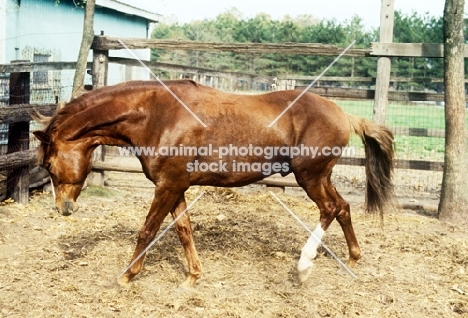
{"x":67,"y":207}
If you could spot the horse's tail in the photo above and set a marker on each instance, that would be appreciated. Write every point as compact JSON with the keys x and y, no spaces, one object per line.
{"x":379,"y":151}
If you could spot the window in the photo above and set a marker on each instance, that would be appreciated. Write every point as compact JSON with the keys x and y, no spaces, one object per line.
{"x":41,"y":77}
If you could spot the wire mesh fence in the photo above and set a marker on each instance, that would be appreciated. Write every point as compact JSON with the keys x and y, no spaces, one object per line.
{"x":418,"y":128}
{"x":16,"y":141}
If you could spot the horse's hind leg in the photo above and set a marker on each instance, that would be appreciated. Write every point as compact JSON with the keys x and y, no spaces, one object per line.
{"x":184,"y":230}
{"x":331,"y":206}
{"x":344,"y":219}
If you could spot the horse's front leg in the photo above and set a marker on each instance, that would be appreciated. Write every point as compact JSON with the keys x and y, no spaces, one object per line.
{"x":184,"y":230}
{"x":164,"y":200}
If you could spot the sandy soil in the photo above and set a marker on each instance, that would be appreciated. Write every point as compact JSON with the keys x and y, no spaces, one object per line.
{"x":55,"y":266}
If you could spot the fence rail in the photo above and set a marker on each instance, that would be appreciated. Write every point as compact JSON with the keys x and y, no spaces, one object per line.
{"x":409,"y":49}
{"x":38,"y":66}
{"x":352,"y":93}
{"x":104,"y":43}
{"x":21,"y":113}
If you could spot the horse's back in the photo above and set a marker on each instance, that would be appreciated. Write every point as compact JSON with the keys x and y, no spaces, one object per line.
{"x":311,"y":118}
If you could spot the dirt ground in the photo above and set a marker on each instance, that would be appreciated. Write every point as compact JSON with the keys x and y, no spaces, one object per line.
{"x":55,"y":266}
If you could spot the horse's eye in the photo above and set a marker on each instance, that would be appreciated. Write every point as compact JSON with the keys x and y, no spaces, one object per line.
{"x":47,"y":166}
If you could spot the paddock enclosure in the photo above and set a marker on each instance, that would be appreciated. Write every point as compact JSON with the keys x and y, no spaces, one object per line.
{"x":249,"y":245}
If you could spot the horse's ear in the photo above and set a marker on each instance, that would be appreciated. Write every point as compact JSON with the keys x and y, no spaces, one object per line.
{"x":42,"y":136}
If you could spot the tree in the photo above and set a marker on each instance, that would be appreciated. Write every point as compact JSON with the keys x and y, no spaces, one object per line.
{"x":453,"y":206}
{"x":87,"y":40}
{"x":232,"y":26}
{"x":416,"y":28}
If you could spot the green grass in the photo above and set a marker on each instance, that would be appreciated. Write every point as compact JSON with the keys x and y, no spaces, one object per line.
{"x":411,"y":116}
{"x":93,"y":191}
{"x":400,"y":115}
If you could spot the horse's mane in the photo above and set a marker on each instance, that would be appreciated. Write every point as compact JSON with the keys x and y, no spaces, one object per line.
{"x":96,"y":98}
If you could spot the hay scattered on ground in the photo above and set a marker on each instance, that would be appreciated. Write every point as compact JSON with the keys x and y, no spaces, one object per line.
{"x":55,"y":266}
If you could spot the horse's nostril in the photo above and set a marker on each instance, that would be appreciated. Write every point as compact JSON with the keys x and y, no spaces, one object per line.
{"x":67,"y":208}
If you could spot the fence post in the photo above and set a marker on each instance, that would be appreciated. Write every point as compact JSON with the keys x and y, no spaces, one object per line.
{"x":382,"y":82}
{"x":99,"y":74}
{"x":100,"y":68}
{"x":18,"y":138}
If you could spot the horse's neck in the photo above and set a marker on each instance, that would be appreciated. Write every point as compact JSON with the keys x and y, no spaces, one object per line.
{"x":102,"y":122}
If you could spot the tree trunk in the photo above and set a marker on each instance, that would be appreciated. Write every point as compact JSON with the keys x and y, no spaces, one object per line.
{"x":453,"y":206}
{"x":86,"y":41}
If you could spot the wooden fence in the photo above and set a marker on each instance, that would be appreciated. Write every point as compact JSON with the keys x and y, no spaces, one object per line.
{"x":17,"y":158}
{"x":104,"y":43}
{"x":21,"y":158}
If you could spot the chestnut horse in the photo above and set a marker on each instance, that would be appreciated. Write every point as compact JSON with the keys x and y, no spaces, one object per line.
{"x":146,"y":114}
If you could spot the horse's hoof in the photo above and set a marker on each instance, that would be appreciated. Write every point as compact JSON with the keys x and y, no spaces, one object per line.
{"x":113,"y":284}
{"x":303,"y":275}
{"x":304,"y":269}
{"x":123,"y":281}
{"x":189,"y":282}
{"x":341,"y":271}
{"x":184,"y":289}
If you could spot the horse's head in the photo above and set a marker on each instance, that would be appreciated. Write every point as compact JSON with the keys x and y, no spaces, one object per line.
{"x":68,"y":163}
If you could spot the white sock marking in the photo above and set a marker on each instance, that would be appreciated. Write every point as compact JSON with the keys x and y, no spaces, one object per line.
{"x":309,"y":252}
